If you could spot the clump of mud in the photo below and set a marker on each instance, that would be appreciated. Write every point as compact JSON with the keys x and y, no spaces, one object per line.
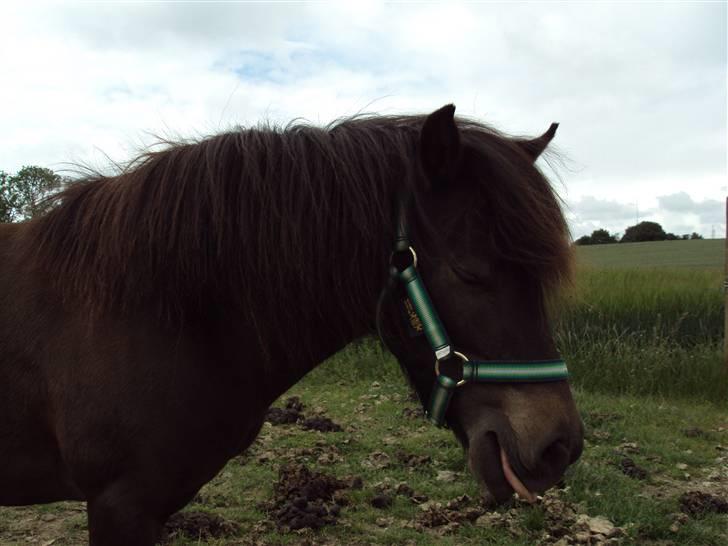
{"x":306,"y":499}
{"x":199,"y":526}
{"x":290,"y":413}
{"x":411,"y":460}
{"x":322,"y":424}
{"x":698,"y":504}
{"x":695,"y":432}
{"x":631,"y":469}
{"x":387,"y":489}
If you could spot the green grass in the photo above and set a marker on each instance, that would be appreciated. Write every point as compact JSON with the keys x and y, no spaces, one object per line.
{"x":682,"y":305}
{"x":707,"y":253}
{"x":363,"y":390}
{"x":649,"y":320}
{"x":596,"y":484}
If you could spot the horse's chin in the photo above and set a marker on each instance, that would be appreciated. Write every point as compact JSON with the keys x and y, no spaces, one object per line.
{"x":491,"y":466}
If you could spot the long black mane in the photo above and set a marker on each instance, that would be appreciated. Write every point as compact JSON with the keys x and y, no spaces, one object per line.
{"x":268,"y":220}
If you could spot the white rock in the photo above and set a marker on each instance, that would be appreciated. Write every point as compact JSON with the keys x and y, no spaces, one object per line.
{"x":601,"y":526}
{"x":446,"y":476}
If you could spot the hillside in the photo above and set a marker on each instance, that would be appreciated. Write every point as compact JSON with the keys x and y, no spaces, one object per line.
{"x":698,"y":254}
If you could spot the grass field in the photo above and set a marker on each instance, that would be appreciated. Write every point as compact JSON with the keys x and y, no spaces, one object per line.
{"x":703,"y":254}
{"x":642,"y":333}
{"x":655,"y":327}
{"x":674,"y":442}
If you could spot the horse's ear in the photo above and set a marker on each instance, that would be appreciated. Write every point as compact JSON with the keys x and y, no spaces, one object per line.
{"x":440,"y":145}
{"x":536,"y":146}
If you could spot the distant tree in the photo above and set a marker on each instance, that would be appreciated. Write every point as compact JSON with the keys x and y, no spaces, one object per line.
{"x":7,"y":203}
{"x":644,"y":231}
{"x":695,"y":235}
{"x":684,"y":237}
{"x":671,"y":237}
{"x":602,"y":237}
{"x":598,"y":237}
{"x":23,"y":194}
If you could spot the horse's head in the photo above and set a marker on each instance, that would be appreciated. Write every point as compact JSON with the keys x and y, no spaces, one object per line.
{"x":492,"y":245}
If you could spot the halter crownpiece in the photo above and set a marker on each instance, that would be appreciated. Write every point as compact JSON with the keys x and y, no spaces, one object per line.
{"x":403,"y":269}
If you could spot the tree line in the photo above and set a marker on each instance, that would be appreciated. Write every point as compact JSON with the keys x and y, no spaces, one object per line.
{"x":644,"y":231}
{"x":23,"y":194}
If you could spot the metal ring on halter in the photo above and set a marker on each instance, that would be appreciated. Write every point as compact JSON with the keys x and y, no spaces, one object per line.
{"x":414,"y":256}
{"x":462,"y":356}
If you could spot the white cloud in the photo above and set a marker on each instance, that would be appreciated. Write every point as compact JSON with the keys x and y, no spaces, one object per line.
{"x":639,"y":89}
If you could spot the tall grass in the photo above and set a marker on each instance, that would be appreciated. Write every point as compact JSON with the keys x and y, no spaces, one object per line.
{"x":646,"y":331}
{"x":684,"y":306}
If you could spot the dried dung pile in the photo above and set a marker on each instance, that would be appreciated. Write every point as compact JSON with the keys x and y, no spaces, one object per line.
{"x":698,"y":504}
{"x":306,"y":499}
{"x":292,"y":412}
{"x":199,"y":526}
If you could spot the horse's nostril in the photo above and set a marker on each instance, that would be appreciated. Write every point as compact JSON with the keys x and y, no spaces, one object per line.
{"x":557,"y":456}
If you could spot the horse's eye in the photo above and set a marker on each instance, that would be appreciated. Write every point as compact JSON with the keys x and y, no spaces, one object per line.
{"x":470,"y":276}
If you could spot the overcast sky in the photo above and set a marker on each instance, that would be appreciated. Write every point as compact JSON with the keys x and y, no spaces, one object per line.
{"x":639,"y":89}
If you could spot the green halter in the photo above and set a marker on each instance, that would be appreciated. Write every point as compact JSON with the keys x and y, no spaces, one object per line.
{"x":403,"y":268}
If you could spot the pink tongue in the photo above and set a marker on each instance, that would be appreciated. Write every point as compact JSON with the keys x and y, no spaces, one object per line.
{"x":516,"y":484}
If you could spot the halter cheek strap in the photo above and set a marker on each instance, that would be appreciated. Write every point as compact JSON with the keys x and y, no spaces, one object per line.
{"x":403,"y":269}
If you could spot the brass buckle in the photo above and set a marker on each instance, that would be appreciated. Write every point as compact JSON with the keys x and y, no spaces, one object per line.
{"x":462,"y":357}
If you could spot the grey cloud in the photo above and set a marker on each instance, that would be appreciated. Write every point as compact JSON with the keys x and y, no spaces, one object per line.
{"x":709,"y":211}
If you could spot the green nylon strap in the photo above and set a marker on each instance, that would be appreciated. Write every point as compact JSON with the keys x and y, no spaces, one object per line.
{"x":492,"y":371}
{"x":431,"y":324}
{"x":530,"y":370}
{"x":442,"y":393}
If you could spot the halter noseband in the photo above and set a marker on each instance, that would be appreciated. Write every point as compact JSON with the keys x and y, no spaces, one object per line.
{"x":403,"y":269}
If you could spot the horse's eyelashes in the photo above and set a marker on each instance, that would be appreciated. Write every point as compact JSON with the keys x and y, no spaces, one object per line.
{"x":469,"y":276}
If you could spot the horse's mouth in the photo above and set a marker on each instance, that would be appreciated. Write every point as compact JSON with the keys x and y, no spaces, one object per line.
{"x":513,"y":480}
{"x":491,"y":465}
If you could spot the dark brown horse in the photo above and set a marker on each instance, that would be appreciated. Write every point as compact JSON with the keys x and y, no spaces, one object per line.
{"x":149,"y":319}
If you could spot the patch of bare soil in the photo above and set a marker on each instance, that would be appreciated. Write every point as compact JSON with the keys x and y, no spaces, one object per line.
{"x":306,"y":499}
{"x":698,"y":504}
{"x":27,"y":525}
{"x":199,"y":526}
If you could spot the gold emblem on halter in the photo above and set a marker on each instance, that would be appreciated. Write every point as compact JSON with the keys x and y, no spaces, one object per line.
{"x":414,"y":320}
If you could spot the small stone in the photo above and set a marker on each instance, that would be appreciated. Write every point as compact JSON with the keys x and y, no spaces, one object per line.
{"x":602,"y":526}
{"x":491,"y":519}
{"x":582,"y":537}
{"x":48,"y":517}
{"x":376,"y":460}
{"x":446,"y":476}
{"x":384,"y":522}
{"x":681,"y":466}
{"x":674,"y":528}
